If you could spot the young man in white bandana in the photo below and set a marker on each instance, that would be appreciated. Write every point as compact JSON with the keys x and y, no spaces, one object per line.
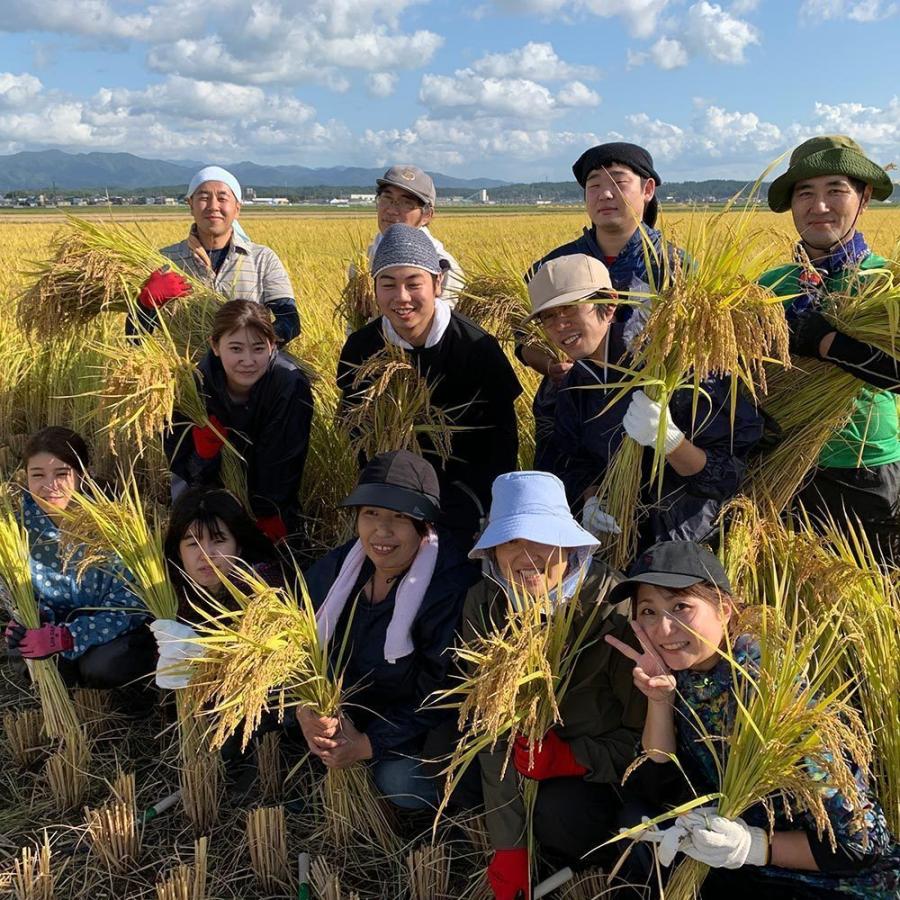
{"x":218,"y":252}
{"x":470,"y":377}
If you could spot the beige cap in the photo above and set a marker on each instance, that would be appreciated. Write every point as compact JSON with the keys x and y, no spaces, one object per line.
{"x":566,"y":279}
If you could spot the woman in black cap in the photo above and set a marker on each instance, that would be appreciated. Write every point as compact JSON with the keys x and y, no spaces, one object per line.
{"x":682,"y":607}
{"x":392,"y":598}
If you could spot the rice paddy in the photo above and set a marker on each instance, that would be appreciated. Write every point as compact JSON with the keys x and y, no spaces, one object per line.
{"x":64,"y":832}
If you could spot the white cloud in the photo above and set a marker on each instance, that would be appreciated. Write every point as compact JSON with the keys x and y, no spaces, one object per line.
{"x":264,"y":42}
{"x":639,"y":16}
{"x":707,"y":31}
{"x":536,"y":61}
{"x":381,"y":84}
{"x":855,"y":10}
{"x":520,"y":98}
{"x":18,"y":90}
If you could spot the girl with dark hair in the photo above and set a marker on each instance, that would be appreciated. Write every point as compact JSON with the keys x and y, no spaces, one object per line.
{"x":209,"y":531}
{"x":259,"y":400}
{"x":683,"y":608}
{"x":394,"y":594}
{"x":92,"y":623}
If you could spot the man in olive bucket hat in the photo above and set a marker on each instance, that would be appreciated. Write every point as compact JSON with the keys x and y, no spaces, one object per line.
{"x":619,"y":181}
{"x":827,"y":187}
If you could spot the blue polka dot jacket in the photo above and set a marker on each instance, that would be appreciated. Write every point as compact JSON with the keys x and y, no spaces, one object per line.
{"x":97,"y":608}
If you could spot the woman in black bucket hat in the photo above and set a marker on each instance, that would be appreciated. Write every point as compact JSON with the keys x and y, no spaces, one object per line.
{"x":392,"y":597}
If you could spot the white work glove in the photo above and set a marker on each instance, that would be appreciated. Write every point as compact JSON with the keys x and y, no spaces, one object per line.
{"x":722,"y":843}
{"x":668,"y":840}
{"x":176,"y":646}
{"x":641,"y":422}
{"x":596,"y":520}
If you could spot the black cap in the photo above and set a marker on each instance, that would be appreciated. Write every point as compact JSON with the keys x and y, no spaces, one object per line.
{"x":400,"y":481}
{"x":636,"y":158}
{"x":672,"y":564}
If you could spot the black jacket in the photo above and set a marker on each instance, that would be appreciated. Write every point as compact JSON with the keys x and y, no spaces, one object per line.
{"x":587,"y":435}
{"x":270,"y":431}
{"x":386,"y":697}
{"x":472,"y":380}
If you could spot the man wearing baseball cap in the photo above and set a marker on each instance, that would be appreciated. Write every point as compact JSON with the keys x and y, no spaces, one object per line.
{"x":705,"y":451}
{"x":406,"y":195}
{"x":619,"y":182}
{"x":218,"y":251}
{"x":469,"y":375}
{"x":827,"y":187}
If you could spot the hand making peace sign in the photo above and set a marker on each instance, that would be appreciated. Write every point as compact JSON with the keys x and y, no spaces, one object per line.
{"x":652,"y":677}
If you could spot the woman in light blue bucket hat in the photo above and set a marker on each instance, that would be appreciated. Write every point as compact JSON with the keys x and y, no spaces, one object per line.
{"x":531,"y":544}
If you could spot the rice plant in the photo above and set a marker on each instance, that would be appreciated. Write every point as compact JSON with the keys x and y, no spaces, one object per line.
{"x":67,"y":776}
{"x":25,"y":738}
{"x":709,"y":318}
{"x":357,"y":304}
{"x":269,"y":655}
{"x":113,"y":829}
{"x":32,"y":875}
{"x":60,"y":720}
{"x":187,"y":882}
{"x":267,"y":842}
{"x":429,"y":872}
{"x":269,"y":765}
{"x":391,"y":409}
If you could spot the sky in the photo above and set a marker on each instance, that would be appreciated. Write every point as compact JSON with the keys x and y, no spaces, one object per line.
{"x":508,"y":89}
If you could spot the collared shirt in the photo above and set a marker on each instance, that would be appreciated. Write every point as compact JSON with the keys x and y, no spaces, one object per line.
{"x":248,"y":272}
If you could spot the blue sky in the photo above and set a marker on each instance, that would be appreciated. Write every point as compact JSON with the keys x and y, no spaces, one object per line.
{"x":511,"y":89}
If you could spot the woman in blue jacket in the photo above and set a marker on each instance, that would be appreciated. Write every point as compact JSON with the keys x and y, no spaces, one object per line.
{"x":93,"y":624}
{"x":395,"y":594}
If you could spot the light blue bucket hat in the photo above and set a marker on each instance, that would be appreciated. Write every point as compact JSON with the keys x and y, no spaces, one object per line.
{"x":531,"y":506}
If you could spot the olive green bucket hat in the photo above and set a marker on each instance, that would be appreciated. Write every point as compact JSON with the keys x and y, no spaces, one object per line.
{"x":829,"y":154}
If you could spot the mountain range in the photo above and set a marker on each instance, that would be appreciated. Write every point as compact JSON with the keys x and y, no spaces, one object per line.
{"x":48,"y":169}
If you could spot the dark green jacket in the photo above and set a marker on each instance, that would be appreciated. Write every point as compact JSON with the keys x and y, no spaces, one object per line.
{"x":603,"y":713}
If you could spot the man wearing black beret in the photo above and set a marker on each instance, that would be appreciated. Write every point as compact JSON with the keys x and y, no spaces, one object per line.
{"x":619,"y":182}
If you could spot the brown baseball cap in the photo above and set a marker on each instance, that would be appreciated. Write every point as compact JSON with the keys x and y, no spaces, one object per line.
{"x":567,"y":279}
{"x":411,"y":179}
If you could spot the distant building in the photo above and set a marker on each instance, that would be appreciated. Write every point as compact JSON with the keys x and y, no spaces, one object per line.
{"x":338,"y":201}
{"x":271,"y":201}
{"x":362,"y":198}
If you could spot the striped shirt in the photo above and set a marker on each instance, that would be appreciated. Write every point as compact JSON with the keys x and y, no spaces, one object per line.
{"x":249,"y":272}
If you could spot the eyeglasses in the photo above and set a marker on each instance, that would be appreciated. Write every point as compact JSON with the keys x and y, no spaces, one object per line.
{"x":404,"y":204}
{"x":559,"y":314}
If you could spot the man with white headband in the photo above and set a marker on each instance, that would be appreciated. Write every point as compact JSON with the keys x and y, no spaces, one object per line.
{"x":219,"y":252}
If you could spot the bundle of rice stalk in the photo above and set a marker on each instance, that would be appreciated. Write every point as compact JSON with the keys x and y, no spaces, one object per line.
{"x":24,"y":736}
{"x":591,"y":884}
{"x":60,"y":720}
{"x":269,"y":655}
{"x":113,"y":829}
{"x":271,"y":771}
{"x":92,"y":709}
{"x":267,"y":841}
{"x":513,"y":678}
{"x":429,"y":872}
{"x":845,"y":581}
{"x":708,"y":318}
{"x":186,"y":882}
{"x":32,"y":877}
{"x":200,"y":770}
{"x":815,"y":399}
{"x":392,"y":409}
{"x":67,"y":776}
{"x":357,"y":304}
{"x":326,"y":882}
{"x":791,"y":729}
{"x":94,"y":268}
{"x":495,"y":297}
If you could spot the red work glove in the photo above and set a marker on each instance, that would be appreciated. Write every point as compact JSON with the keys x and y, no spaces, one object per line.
{"x":210,"y":439}
{"x":508,"y":874}
{"x":162,"y":286}
{"x":39,"y":643}
{"x":272,"y":527}
{"x":553,"y":759}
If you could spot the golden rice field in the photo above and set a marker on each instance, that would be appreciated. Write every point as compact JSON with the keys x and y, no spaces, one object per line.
{"x":55,"y":382}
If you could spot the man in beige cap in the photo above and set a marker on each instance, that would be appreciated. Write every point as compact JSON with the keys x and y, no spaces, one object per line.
{"x":572,"y":298}
{"x":406,"y":196}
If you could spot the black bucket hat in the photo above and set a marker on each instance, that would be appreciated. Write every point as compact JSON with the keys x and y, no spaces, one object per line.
{"x":672,"y":564}
{"x":636,"y":158}
{"x":400,"y":481}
